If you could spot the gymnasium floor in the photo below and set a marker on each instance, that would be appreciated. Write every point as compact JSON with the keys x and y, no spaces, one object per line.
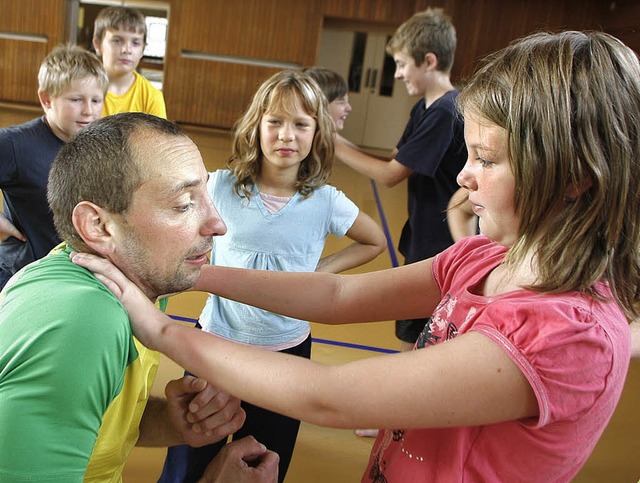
{"x":338,"y":455}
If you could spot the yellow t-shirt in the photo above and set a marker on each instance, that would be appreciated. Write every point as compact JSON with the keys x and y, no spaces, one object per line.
{"x":141,"y":97}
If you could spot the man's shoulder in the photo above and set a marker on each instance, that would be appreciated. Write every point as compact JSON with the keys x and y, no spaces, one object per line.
{"x":71,"y":287}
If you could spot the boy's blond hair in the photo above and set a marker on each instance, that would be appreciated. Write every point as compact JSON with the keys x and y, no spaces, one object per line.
{"x":119,"y":18}
{"x":428,"y":31}
{"x":66,"y":63}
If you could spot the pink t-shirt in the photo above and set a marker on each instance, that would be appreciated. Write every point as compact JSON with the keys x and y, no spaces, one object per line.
{"x":573,"y":350}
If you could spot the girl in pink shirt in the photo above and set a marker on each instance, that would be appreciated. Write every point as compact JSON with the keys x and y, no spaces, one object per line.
{"x":525,"y":356}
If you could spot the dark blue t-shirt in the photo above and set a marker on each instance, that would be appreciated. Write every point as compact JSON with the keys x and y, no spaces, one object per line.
{"x":26,"y":154}
{"x":432,"y":146}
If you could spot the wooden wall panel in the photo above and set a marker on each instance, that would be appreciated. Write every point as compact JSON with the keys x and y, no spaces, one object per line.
{"x":484,"y":26}
{"x":384,"y":11}
{"x":29,"y":29}
{"x":279,"y":30}
{"x":213,"y":94}
{"x":19,"y":64}
{"x":622,"y":19}
{"x":245,"y":41}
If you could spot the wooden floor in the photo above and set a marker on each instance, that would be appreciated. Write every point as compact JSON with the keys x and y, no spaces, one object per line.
{"x":338,"y":456}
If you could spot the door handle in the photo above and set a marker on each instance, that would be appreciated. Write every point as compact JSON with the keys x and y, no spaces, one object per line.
{"x":367,"y":79}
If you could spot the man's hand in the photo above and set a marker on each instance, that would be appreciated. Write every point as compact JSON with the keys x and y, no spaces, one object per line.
{"x":243,"y":461}
{"x":7,"y":230}
{"x":200,"y":413}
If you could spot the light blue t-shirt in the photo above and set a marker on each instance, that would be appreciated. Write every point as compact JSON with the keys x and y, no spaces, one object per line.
{"x":290,"y":240}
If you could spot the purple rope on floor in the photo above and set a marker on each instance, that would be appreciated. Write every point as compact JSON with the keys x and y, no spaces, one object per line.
{"x":385,"y":226}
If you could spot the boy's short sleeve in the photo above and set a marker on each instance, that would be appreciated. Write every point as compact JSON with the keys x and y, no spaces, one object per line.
{"x":343,"y":215}
{"x":427,"y":139}
{"x":156,"y":105}
{"x":8,"y":167}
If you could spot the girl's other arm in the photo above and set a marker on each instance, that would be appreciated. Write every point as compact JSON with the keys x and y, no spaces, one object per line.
{"x":407,"y":292}
{"x":470,"y":380}
{"x":368,"y":243}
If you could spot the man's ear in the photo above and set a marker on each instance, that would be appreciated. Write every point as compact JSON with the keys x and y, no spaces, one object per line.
{"x":45,"y":99}
{"x":95,"y":226}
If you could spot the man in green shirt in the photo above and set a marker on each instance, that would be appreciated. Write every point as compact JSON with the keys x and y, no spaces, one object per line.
{"x":74,"y":383}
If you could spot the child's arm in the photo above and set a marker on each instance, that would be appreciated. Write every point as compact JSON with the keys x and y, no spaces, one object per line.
{"x":407,"y":292}
{"x":461,"y":219}
{"x":387,"y":172}
{"x":470,"y":380}
{"x":368,"y":243}
{"x":7,"y":229}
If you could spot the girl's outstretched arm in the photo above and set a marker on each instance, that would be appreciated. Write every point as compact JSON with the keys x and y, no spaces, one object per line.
{"x":406,"y":292}
{"x":368,"y":242}
{"x":470,"y":380}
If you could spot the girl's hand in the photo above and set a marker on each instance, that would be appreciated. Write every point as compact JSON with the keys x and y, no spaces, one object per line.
{"x":147,"y":321}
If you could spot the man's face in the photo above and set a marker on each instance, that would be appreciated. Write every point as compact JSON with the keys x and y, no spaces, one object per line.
{"x":165,"y":236}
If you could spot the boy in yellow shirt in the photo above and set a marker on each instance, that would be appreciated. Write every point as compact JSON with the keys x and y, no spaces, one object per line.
{"x":119,"y":38}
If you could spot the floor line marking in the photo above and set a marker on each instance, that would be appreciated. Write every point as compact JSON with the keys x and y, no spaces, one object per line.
{"x":337,"y":343}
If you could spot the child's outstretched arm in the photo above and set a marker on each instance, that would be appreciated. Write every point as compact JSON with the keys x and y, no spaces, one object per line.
{"x":368,"y":242}
{"x":471,"y":380}
{"x":406,"y":292}
{"x":388,"y":171}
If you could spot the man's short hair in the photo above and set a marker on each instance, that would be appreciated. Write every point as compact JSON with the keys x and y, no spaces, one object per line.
{"x":102,"y":165}
{"x":67,"y":63}
{"x":119,"y":18}
{"x":428,"y":31}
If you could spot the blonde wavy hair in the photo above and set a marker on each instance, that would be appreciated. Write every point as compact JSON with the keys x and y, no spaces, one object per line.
{"x":283,"y":91}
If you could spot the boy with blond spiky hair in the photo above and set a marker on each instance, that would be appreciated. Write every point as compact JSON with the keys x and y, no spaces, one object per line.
{"x":72,"y":85}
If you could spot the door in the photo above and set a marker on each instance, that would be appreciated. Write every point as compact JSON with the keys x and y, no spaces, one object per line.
{"x":380,"y":103}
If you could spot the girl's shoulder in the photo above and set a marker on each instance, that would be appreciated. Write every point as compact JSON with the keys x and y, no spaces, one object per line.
{"x":328,"y":191}
{"x":220,"y":177}
{"x":477,"y":246}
